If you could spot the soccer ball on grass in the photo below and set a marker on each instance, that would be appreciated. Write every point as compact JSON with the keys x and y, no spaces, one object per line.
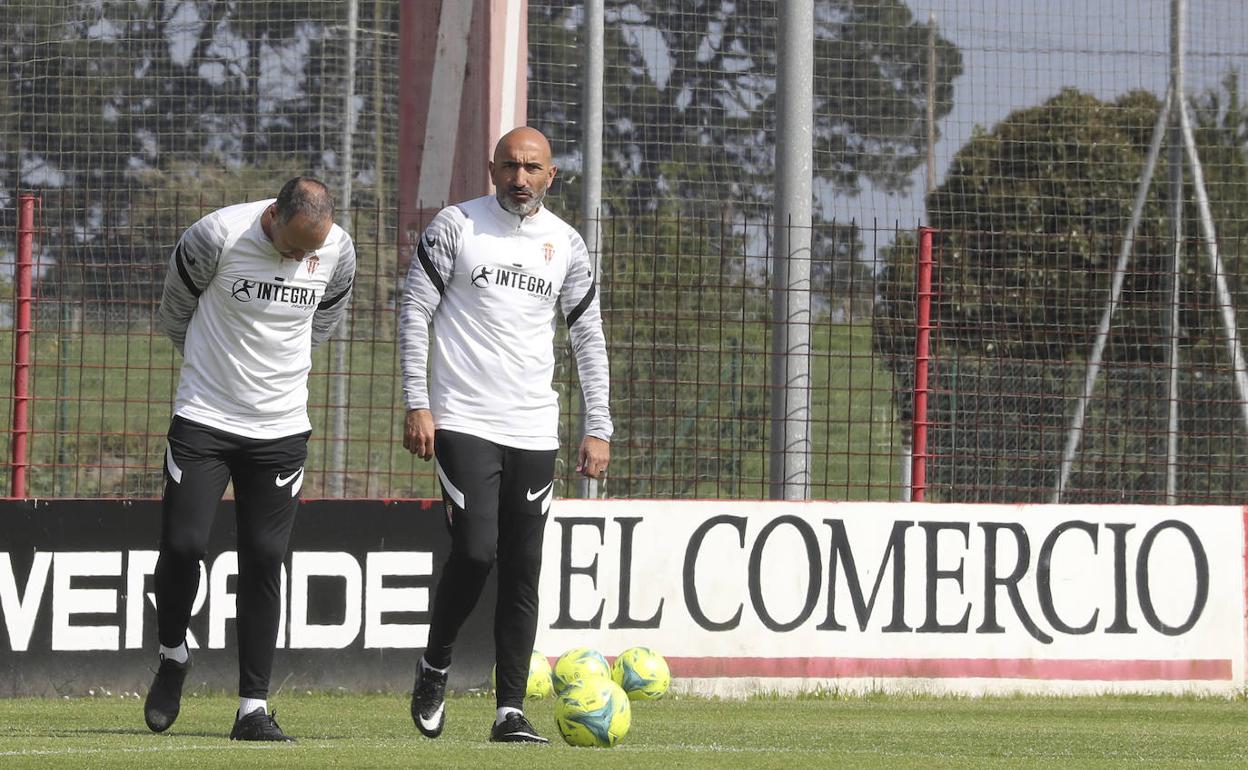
{"x":579,"y":663}
{"x":642,"y":673}
{"x":593,"y":712}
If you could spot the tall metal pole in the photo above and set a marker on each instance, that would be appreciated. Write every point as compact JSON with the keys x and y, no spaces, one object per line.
{"x":338,"y":393}
{"x":1226,"y":302}
{"x":1075,"y":435}
{"x":591,"y":161}
{"x":23,"y":298}
{"x":922,"y":361}
{"x":1176,"y":244}
{"x":908,"y":427}
{"x":931,"y":102}
{"x":379,"y":152}
{"x":790,"y":370}
{"x":1181,"y":138}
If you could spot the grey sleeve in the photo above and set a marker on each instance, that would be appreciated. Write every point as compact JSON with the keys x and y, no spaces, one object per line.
{"x":429,"y":274}
{"x":191,"y":266}
{"x":333,"y":306}
{"x":579,"y":301}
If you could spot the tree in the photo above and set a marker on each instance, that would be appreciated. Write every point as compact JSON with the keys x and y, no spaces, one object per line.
{"x":67,"y":72}
{"x":1030,"y":221}
{"x":1031,"y":217}
{"x":690,"y":96}
{"x":108,"y":96}
{"x":690,"y":103}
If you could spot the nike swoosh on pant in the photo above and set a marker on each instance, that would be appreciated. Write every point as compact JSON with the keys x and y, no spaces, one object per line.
{"x":175,"y":472}
{"x":452,"y":491}
{"x":297,"y":477}
{"x":531,"y":495}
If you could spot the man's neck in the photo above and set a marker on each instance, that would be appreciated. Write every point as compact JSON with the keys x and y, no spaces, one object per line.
{"x":520,"y":217}
{"x":266,"y":224}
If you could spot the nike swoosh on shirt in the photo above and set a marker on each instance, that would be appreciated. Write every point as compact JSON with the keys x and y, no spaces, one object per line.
{"x":531,"y":495}
{"x":281,"y":482}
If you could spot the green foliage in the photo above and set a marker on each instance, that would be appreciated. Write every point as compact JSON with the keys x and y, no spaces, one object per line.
{"x":111,"y":91}
{"x":1031,"y":218}
{"x":128,"y":117}
{"x":699,"y":135}
{"x":1029,"y":224}
{"x":98,"y":97}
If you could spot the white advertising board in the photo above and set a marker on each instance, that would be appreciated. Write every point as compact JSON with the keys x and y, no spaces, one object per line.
{"x":744,"y":597}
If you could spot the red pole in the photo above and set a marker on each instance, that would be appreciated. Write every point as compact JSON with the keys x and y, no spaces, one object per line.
{"x":21,"y":342}
{"x":922,"y":355}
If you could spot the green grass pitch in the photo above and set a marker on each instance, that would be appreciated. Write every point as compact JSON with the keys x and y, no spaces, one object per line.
{"x":791,"y":733}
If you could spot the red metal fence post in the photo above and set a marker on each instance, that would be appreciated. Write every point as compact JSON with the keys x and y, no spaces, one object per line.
{"x":922,"y":355}
{"x":21,"y":342}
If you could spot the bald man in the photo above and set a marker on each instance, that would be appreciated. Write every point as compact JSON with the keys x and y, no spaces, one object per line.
{"x":491,"y":276}
{"x":250,"y":290}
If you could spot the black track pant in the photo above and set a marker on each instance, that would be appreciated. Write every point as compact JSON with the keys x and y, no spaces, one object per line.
{"x":497,"y":499}
{"x":267,"y":475}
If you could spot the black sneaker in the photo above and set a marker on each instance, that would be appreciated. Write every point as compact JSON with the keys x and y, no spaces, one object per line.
{"x":515,"y":728}
{"x":164,"y":697}
{"x":429,"y":701}
{"x":258,"y":726}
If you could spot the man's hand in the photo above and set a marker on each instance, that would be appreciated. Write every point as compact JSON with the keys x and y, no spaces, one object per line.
{"x":418,"y":433}
{"x":594,"y":456}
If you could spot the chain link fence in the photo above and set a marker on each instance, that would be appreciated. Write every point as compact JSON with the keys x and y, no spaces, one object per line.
{"x":1019,"y":131}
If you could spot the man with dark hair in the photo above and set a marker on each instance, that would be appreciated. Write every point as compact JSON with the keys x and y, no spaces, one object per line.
{"x":491,"y":276}
{"x":303,"y":196}
{"x":250,"y":290}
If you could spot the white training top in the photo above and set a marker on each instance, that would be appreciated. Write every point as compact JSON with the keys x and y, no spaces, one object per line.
{"x":492,"y":284}
{"x":246,"y":320}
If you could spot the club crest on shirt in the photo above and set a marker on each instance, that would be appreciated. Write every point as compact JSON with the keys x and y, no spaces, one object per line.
{"x":312,"y":262}
{"x":548,"y":251}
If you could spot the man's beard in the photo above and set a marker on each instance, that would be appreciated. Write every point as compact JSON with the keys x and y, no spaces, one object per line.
{"x":520,"y":209}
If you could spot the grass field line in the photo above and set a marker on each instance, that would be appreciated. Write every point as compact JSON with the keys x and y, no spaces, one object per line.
{"x":305,"y":744}
{"x":630,"y":750}
{"x":716,"y":748}
{"x":68,"y":752}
